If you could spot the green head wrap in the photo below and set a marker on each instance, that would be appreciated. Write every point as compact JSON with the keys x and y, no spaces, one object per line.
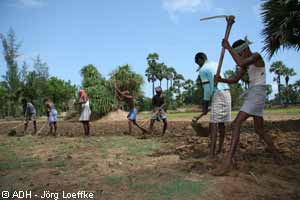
{"x":243,"y":46}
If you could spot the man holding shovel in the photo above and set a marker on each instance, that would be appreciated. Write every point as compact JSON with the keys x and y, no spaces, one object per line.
{"x":220,"y":99}
{"x":158,"y":113}
{"x":219,"y":95}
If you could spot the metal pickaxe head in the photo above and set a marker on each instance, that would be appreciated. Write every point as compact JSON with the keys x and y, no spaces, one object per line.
{"x":229,"y":18}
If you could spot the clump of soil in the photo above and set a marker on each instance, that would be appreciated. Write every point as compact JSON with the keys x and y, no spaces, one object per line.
{"x":12,"y":132}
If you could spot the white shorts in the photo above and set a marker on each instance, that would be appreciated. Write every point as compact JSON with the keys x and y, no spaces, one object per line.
{"x":221,"y":107}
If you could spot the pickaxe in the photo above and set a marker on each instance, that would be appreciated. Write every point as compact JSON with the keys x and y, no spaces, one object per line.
{"x":230,"y":21}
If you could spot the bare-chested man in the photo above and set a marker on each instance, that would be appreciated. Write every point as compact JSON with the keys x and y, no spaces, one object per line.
{"x":132,"y":115}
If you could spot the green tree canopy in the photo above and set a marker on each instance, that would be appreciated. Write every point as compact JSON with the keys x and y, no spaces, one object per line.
{"x":12,"y":77}
{"x":281,"y":25}
{"x":101,"y":96}
{"x":127,"y":79}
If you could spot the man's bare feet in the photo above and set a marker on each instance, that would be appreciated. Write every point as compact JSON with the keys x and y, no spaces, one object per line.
{"x":222,"y":169}
{"x":126,"y":133}
{"x":142,"y":137}
{"x":212,"y":160}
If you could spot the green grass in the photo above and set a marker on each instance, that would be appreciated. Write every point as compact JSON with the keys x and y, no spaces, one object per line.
{"x":59,"y":163}
{"x":189,"y":115}
{"x":127,"y":144}
{"x":289,"y":111}
{"x":181,"y":188}
{"x":173,"y":188}
{"x":14,"y":161}
{"x":113,"y":180}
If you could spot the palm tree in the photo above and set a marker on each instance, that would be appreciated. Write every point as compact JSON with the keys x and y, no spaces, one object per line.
{"x":268,"y":91}
{"x":281,"y":25}
{"x":278,"y":68}
{"x":12,"y":77}
{"x":98,"y":90}
{"x":127,"y":79}
{"x":90,"y":75}
{"x":178,"y":83}
{"x":297,"y":85}
{"x":168,"y":76}
{"x":287,"y":73}
{"x":151,"y":71}
{"x":173,"y":75}
{"x":189,"y":87}
{"x":161,"y":72}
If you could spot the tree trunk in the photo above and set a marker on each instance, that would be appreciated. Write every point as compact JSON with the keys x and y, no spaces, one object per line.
{"x":167,"y":84}
{"x":160,"y":83}
{"x":279,"y":92}
{"x":287,"y":90}
{"x":152,"y":88}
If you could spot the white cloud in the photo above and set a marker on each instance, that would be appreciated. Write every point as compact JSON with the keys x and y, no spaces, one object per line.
{"x":31,"y":3}
{"x":176,"y":7}
{"x":173,"y":6}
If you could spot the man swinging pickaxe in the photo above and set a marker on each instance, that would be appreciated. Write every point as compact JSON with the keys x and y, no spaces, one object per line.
{"x":218,"y":95}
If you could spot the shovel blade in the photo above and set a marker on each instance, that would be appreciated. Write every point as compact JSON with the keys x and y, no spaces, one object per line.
{"x":200,"y":130}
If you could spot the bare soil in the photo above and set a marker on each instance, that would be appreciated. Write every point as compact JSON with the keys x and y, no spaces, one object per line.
{"x":174,"y":166}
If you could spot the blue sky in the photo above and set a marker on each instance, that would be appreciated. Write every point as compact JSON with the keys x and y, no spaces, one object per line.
{"x":68,"y":34}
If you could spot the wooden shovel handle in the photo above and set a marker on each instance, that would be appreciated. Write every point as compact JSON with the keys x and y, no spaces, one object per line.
{"x":227,"y":32}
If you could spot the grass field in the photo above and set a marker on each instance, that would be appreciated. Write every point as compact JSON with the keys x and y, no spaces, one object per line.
{"x":293,"y":111}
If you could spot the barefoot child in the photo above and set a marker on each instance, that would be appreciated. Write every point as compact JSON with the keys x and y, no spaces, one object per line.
{"x":254,"y":98}
{"x":158,"y":113}
{"x":220,"y":99}
{"x":30,"y":114}
{"x":52,"y":116}
{"x":85,"y":111}
{"x":132,"y":115}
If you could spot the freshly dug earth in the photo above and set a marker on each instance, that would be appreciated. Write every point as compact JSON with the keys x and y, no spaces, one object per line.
{"x":117,"y":166}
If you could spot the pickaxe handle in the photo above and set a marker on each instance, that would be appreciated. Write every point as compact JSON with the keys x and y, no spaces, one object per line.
{"x":227,"y":32}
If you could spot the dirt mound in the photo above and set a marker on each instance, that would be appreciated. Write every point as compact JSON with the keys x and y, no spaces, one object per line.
{"x":119,"y":115}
